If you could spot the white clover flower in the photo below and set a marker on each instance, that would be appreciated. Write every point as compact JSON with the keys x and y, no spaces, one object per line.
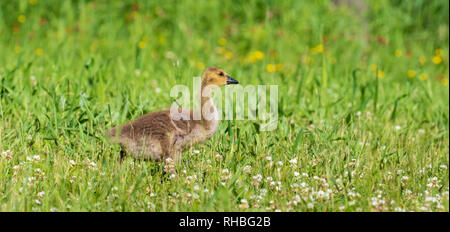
{"x":257,"y":179}
{"x":6,"y":154}
{"x":247,"y":169}
{"x":226,"y":175}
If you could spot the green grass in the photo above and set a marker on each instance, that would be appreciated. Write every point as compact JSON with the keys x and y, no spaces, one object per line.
{"x":346,"y":140}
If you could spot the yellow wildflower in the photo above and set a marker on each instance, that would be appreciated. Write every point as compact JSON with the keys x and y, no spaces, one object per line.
{"x":319,"y":48}
{"x":439,"y":52}
{"x":398,"y":53}
{"x":423,"y":76}
{"x":21,"y":18}
{"x":259,"y":55}
{"x":422,"y":60}
{"x":411,"y":73}
{"x":142,"y":44}
{"x":380,"y":74}
{"x":444,"y":81}
{"x":373,"y":67}
{"x":39,"y":51}
{"x":222,"y":41}
{"x":437,"y":59}
{"x":271,"y":68}
{"x":32,"y":2}
{"x":251,"y":59}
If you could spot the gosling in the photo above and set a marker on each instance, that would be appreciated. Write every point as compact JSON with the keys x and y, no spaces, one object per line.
{"x":159,"y":135}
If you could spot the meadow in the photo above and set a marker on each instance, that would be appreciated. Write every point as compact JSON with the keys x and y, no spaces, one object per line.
{"x":363,"y":104}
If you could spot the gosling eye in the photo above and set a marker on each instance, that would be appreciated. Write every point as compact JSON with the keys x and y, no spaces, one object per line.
{"x":221,"y":74}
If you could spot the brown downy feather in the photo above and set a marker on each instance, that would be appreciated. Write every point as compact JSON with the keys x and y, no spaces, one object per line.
{"x":157,"y":136}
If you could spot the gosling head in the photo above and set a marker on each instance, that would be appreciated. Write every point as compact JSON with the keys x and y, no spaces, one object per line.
{"x":217,"y":77}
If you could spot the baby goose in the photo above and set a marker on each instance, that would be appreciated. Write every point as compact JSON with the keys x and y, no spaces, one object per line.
{"x":158,"y":135}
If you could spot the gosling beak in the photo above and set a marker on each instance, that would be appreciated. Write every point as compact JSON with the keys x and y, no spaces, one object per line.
{"x":230,"y":80}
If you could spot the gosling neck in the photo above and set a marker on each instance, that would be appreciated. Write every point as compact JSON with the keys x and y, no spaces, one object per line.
{"x":207,"y":105}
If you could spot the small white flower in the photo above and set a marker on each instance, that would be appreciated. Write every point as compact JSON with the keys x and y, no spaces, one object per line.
{"x":196,"y":187}
{"x":247,"y":169}
{"x":398,"y":127}
{"x":196,"y":151}
{"x":293,"y":161}
{"x":41,"y":194}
